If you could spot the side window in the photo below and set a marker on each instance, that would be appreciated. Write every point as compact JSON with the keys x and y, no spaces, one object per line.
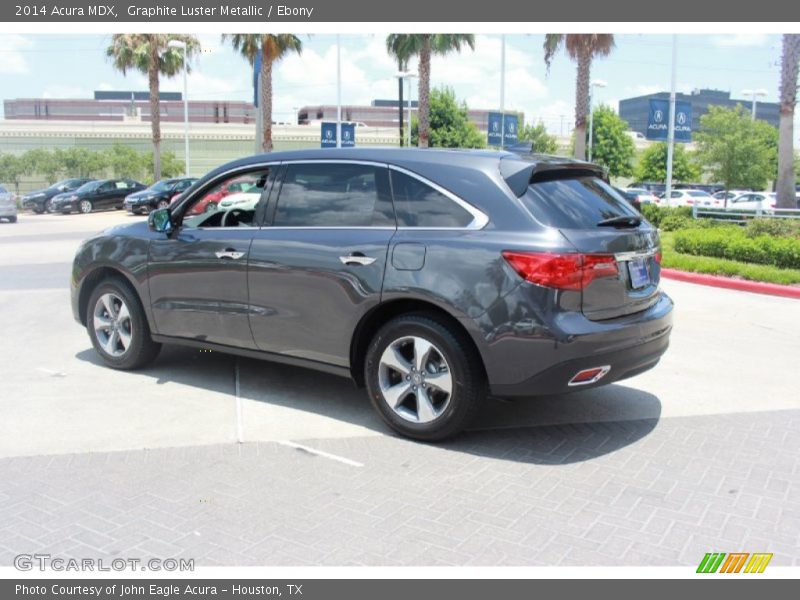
{"x":241,"y":194}
{"x":334,"y":195}
{"x":106,"y":187}
{"x":419,"y":205}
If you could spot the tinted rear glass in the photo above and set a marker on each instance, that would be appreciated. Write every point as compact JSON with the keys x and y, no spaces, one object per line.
{"x":419,"y":205}
{"x":334,"y":195}
{"x":575,"y":203}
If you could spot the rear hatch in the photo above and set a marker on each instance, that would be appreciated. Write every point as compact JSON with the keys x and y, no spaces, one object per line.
{"x":620,"y":249}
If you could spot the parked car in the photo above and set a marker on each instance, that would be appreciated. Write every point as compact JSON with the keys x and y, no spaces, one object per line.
{"x":39,"y":201}
{"x":95,"y":195}
{"x":8,"y":205}
{"x":244,"y":200}
{"x":691,"y":197}
{"x":431,"y":277}
{"x":764,"y":201}
{"x":213,"y":197}
{"x":632,"y":199}
{"x":157,"y":195}
{"x":652,"y":187}
{"x":643,"y":196}
{"x":726,"y":196}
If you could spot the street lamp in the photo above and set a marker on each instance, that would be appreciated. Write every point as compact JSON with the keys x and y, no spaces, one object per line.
{"x":754,"y":94}
{"x":182,"y":46}
{"x":402,"y":76}
{"x":600,"y":84}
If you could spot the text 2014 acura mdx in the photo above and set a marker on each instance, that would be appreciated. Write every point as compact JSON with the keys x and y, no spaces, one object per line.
{"x":431,"y":277}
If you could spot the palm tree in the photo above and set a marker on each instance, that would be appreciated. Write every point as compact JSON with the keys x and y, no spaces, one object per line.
{"x":149,"y":53}
{"x":272,"y":47}
{"x":790,"y":61}
{"x":582,"y":48}
{"x":424,"y":45}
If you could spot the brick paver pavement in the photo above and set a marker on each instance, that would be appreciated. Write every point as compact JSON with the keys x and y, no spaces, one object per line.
{"x":624,"y":493}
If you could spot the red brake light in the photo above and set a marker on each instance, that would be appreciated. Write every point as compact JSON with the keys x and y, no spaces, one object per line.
{"x":562,"y":271}
{"x":658,"y":257}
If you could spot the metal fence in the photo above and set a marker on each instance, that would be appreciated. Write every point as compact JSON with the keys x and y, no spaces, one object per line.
{"x":742,"y":216}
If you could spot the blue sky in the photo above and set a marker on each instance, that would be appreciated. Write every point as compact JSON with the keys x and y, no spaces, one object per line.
{"x":70,"y":66}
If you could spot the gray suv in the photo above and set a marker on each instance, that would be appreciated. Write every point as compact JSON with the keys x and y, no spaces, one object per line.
{"x":430,"y":277}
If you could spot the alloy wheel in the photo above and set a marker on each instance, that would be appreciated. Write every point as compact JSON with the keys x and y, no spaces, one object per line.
{"x":112,"y":324}
{"x":415,"y":379}
{"x":85,"y":206}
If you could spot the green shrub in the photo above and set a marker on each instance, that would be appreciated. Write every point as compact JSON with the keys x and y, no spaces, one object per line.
{"x":675,"y":222}
{"x":773,"y":227}
{"x":733,"y":243}
{"x":655,"y":214}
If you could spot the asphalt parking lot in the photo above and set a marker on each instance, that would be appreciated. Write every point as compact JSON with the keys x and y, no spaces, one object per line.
{"x":700,"y":454}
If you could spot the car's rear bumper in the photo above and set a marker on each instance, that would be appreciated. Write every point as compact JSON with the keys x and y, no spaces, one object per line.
{"x":623,"y":364}
{"x":542,"y":355}
{"x":7,"y":212}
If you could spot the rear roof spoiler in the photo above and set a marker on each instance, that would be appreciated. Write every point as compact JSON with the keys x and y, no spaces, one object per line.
{"x":519,"y":171}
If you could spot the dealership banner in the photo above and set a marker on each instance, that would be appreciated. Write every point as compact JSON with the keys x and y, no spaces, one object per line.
{"x":495,"y":135}
{"x":328,"y":135}
{"x":658,"y":121}
{"x":328,"y":11}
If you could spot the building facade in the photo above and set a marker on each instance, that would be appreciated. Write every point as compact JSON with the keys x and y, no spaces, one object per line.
{"x":635,"y":110}
{"x":380,"y":113}
{"x":127,"y":106}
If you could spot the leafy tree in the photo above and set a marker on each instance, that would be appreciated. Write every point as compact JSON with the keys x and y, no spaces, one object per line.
{"x":653,"y":164}
{"x":790,"y":63}
{"x":43,"y":161}
{"x":737,"y":151}
{"x":151,"y":54}
{"x":170,"y":165}
{"x":403,"y":46}
{"x":450,"y":126}
{"x":82,"y":162}
{"x":582,"y":48}
{"x":612,"y":147}
{"x":12,"y":169}
{"x":541,"y":141}
{"x":272,"y":47}
{"x":127,"y":162}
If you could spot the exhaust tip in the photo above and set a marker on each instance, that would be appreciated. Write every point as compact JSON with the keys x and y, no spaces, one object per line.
{"x":587,"y":376}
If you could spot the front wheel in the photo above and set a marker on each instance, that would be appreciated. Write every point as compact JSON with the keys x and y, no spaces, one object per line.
{"x":211,"y":207}
{"x":85,"y":206}
{"x":118,"y":327}
{"x":162,"y":204}
{"x":424,"y":377}
{"x":12,"y":219}
{"x":48,"y":206}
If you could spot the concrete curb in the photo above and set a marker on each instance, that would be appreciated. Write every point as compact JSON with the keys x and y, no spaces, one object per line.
{"x":742,"y":285}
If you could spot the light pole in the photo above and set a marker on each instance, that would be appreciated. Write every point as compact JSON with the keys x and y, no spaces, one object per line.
{"x":755,"y":94}
{"x":182,"y":46}
{"x":338,"y":91}
{"x":502,"y":91}
{"x":596,"y":83}
{"x":406,"y":76}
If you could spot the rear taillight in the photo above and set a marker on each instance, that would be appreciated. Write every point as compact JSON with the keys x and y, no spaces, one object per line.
{"x":658,"y":257}
{"x":690,"y":202}
{"x":562,"y":271}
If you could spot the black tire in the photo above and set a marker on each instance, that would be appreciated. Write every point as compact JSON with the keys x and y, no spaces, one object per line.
{"x":48,"y":206}
{"x":12,"y":219}
{"x":465,"y":368}
{"x":38,"y":211}
{"x":142,"y":350}
{"x":85,"y":207}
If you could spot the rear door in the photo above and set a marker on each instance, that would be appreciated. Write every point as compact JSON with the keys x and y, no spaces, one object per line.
{"x":319,"y":266}
{"x":577,"y":206}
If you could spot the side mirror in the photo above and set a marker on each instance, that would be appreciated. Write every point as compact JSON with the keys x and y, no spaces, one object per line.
{"x":160,"y":221}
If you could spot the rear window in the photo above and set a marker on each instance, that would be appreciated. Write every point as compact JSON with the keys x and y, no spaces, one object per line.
{"x":575,"y":203}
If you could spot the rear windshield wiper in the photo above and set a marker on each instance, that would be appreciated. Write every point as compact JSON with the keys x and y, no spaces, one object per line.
{"x":623,"y":221}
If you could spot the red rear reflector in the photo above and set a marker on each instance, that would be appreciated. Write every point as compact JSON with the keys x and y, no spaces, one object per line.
{"x":562,"y":271}
{"x":658,"y":257}
{"x":588,"y":376}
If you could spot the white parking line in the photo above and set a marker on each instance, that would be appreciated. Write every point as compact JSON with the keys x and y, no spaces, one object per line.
{"x":51,"y":373}
{"x":239,"y":423}
{"x":341,"y":459}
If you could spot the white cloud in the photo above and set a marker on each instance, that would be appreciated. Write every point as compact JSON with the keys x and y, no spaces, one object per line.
{"x":12,"y":48}
{"x":740,"y":40}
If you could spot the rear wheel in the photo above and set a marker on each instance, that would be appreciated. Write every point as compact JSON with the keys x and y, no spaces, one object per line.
{"x":118,"y":327}
{"x":85,"y":206}
{"x":48,"y":206}
{"x":424,"y":378}
{"x":12,"y":219}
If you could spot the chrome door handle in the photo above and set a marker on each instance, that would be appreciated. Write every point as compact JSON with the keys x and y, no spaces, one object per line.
{"x":358,"y":259}
{"x":228,"y":253}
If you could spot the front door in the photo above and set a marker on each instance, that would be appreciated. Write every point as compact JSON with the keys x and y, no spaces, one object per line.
{"x":198,"y":275}
{"x":318,"y":267}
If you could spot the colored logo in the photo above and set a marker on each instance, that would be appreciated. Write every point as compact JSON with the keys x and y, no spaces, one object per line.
{"x":735,"y":562}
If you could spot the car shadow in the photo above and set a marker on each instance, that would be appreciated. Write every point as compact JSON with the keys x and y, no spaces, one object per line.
{"x":544,"y":430}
